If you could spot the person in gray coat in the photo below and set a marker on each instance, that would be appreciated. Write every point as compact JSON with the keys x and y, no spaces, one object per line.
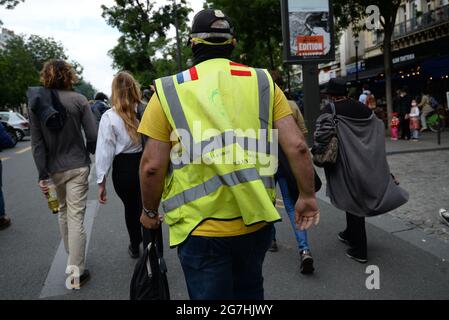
{"x":360,"y":182}
{"x":63,"y":134}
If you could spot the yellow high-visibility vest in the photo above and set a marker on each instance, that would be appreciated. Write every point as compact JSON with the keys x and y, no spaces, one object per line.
{"x":223,"y":168}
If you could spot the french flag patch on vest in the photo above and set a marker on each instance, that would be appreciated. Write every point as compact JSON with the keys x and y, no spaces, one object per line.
{"x":240,"y":70}
{"x":188,"y":75}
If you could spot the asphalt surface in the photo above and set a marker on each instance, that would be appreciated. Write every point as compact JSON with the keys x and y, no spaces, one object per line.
{"x":29,"y":255}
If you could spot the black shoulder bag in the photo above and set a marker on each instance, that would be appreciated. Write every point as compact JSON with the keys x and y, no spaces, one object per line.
{"x":149,"y":281}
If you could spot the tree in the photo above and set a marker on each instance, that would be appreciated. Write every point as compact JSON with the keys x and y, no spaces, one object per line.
{"x":22,"y":60}
{"x":86,"y":89}
{"x":17,"y":73}
{"x":44,"y":49}
{"x":144,"y":28}
{"x":258,"y":30}
{"x":353,"y":14}
{"x":9,"y":4}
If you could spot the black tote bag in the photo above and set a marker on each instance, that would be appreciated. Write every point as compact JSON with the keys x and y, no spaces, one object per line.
{"x":149,"y":281}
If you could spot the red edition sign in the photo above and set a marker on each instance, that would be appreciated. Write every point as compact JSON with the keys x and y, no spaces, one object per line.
{"x":309,"y":45}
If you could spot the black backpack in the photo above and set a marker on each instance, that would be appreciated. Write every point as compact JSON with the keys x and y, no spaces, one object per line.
{"x":149,"y":281}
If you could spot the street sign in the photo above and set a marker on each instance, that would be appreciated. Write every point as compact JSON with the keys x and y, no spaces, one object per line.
{"x":308,"y":31}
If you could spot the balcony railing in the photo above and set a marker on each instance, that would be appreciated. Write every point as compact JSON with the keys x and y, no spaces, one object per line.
{"x":424,"y":21}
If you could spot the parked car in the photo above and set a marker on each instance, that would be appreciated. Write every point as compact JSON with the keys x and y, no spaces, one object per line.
{"x":18,"y":122}
{"x":11,"y":131}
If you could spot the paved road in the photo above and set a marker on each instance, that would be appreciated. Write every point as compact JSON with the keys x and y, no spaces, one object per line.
{"x":29,"y":258}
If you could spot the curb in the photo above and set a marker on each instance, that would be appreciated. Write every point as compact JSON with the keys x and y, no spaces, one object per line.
{"x":390,"y":153}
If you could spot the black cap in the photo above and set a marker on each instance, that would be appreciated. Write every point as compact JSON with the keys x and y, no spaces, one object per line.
{"x":335,"y":88}
{"x":202,"y":25}
{"x":101,"y":97}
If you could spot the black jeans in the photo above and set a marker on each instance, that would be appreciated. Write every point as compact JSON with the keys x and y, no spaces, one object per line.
{"x":228,"y":268}
{"x":125,"y":176}
{"x":405,"y":127}
{"x":356,"y":233}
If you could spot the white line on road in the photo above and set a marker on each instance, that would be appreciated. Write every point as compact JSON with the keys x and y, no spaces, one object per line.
{"x":56,"y":278}
{"x":23,"y":150}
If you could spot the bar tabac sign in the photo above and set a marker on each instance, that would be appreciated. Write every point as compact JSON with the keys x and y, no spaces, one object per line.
{"x":308,"y":31}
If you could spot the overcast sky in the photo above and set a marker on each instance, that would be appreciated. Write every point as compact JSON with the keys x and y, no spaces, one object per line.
{"x":78,"y":25}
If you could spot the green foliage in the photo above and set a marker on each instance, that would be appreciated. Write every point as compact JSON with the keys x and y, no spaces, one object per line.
{"x":86,"y":89}
{"x":258,"y":30}
{"x":21,"y":61}
{"x":144,"y":27}
{"x":17,"y":73}
{"x":353,"y":13}
{"x":44,"y":49}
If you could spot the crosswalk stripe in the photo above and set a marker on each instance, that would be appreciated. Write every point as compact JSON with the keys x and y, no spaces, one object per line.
{"x":23,"y":150}
{"x":4,"y":159}
{"x":55,"y":282}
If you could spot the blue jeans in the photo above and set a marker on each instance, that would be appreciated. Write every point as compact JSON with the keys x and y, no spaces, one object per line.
{"x":228,"y":268}
{"x":2,"y":200}
{"x":289,"y":203}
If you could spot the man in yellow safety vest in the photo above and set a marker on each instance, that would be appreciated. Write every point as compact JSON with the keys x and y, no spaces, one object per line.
{"x":210,"y":160}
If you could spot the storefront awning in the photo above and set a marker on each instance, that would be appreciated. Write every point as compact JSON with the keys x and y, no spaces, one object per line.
{"x":437,"y":68}
{"x":365,"y":74}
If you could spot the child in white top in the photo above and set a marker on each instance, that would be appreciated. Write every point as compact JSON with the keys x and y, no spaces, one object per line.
{"x":414,"y":121}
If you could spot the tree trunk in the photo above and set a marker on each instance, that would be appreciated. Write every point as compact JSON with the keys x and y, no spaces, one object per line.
{"x":388,"y":63}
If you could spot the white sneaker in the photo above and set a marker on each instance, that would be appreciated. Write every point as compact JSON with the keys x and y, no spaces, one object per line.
{"x":444,"y":215}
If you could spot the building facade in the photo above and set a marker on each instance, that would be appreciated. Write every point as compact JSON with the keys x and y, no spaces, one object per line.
{"x":420,"y":51}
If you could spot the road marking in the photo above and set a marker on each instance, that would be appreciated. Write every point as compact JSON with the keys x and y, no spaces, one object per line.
{"x":55,"y":282}
{"x":4,"y":159}
{"x":23,"y":150}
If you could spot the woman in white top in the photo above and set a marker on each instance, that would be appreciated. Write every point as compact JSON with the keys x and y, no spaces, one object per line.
{"x":119,"y":146}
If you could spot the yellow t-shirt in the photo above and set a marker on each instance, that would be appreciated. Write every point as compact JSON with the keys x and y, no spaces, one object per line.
{"x":156,"y":126}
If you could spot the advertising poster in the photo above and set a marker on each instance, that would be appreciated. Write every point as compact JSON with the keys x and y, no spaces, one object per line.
{"x":308,"y":30}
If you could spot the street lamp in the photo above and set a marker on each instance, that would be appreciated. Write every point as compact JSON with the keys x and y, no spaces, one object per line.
{"x":356,"y":44}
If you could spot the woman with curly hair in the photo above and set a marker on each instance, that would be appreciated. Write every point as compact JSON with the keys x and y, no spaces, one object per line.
{"x":58,"y":117}
{"x":120,"y":146}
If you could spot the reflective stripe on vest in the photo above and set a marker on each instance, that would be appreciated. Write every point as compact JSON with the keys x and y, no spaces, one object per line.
{"x":212,"y":185}
{"x":180,"y":119}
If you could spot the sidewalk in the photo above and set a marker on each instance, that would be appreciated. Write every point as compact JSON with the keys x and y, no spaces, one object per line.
{"x":422,"y":168}
{"x":427,"y":142}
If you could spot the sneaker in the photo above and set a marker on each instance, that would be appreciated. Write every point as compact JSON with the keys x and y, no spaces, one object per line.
{"x":274,"y":247}
{"x":84,"y":278}
{"x":342,"y":237}
{"x":353,"y":254}
{"x":5,"y":222}
{"x":444,"y":215}
{"x":133,"y":252}
{"x":306,"y":262}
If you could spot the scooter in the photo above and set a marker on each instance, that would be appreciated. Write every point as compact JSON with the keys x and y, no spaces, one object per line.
{"x":436,"y":120}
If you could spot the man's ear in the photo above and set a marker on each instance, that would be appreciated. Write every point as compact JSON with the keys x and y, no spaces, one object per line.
{"x":234,"y":42}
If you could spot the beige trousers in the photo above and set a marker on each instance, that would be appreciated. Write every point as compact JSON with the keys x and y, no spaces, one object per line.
{"x":71,"y":188}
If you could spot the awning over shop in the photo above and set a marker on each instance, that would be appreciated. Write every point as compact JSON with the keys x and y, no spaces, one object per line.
{"x":365,"y":74}
{"x":437,"y":68}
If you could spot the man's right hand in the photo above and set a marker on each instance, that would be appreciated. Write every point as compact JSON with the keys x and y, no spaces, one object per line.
{"x":43,"y":186}
{"x":307,"y":213}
